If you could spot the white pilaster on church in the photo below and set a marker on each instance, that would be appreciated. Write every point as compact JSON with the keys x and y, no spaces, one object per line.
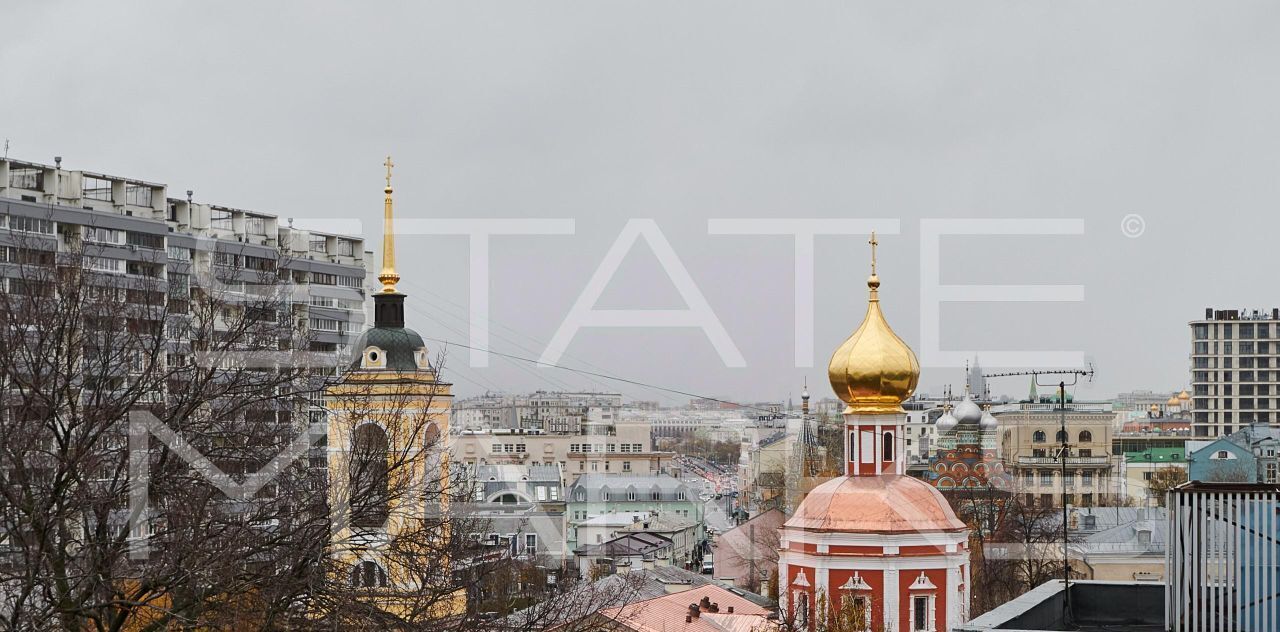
{"x":955,"y":595}
{"x":892,"y":590}
{"x":784,"y":580}
{"x":821,"y":577}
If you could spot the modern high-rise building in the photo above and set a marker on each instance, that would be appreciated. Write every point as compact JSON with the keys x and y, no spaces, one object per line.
{"x":1235,"y":367}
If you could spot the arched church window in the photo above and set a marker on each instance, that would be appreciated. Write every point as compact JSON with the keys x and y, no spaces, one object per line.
{"x":1060,"y":436}
{"x":431,"y":435}
{"x":368,"y":574}
{"x":887,"y":447}
{"x":853,"y":446}
{"x":1038,"y":437}
{"x":370,"y":497}
{"x":1086,"y":436}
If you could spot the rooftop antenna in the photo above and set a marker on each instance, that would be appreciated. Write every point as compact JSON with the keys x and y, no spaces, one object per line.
{"x":1064,"y":451}
{"x":6,"y":149}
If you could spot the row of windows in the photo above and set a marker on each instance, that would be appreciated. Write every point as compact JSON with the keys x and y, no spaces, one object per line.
{"x":1243,"y":403}
{"x":319,"y":243}
{"x":92,"y":188}
{"x":1239,"y":376}
{"x":27,"y":224}
{"x":321,"y":278}
{"x":335,"y":303}
{"x":1060,"y":436}
{"x":580,"y":495}
{"x":1227,"y":331}
{"x":1246,"y":362}
{"x":542,"y":493}
{"x":328,"y":324}
{"x":595,"y":466}
{"x":509,"y":447}
{"x":600,"y":448}
{"x":1227,"y":417}
{"x":93,"y":234}
{"x":1048,"y":476}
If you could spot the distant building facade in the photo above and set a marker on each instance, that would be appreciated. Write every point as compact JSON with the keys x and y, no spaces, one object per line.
{"x":639,"y":497}
{"x":552,"y":412}
{"x":622,"y":448}
{"x":1247,"y":455}
{"x":522,"y":508}
{"x":1030,"y":442}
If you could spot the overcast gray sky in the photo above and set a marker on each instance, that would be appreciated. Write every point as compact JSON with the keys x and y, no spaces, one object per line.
{"x":687,"y":111}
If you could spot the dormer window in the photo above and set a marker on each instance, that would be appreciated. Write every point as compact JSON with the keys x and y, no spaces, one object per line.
{"x":374,"y":358}
{"x":421,"y":360}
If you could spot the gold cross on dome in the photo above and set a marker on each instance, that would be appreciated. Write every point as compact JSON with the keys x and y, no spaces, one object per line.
{"x":388,"y":164}
{"x":873,"y":243}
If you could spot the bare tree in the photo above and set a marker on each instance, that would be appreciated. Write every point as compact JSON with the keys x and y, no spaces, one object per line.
{"x":753,"y":549}
{"x":83,"y":346}
{"x":846,"y":612}
{"x":1162,"y":480}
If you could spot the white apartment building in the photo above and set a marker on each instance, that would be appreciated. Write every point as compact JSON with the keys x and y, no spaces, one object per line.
{"x":132,"y":228}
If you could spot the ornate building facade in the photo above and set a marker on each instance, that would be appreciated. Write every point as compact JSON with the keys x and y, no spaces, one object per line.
{"x":875,"y":544}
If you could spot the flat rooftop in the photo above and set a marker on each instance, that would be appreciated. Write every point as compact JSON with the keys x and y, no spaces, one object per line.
{"x":1095,"y":606}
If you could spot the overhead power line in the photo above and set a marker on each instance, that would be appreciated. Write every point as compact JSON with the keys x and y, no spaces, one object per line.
{"x":625,"y":380}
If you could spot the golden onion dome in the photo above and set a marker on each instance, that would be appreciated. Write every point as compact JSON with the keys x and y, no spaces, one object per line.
{"x":874,"y":371}
{"x":1184,"y":395}
{"x":1173,"y":401}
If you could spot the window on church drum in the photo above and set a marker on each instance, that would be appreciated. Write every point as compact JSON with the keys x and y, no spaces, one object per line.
{"x":369,"y":494}
{"x":887,"y":448}
{"x":920,"y":613}
{"x":852,"y":446}
{"x":1038,"y":437}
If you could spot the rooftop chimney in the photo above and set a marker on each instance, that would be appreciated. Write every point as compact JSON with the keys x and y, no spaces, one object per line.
{"x":693,"y":611}
{"x":730,"y":609}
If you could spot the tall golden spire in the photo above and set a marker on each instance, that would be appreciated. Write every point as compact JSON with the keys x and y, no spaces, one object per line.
{"x":388,"y":276}
{"x":874,"y":371}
